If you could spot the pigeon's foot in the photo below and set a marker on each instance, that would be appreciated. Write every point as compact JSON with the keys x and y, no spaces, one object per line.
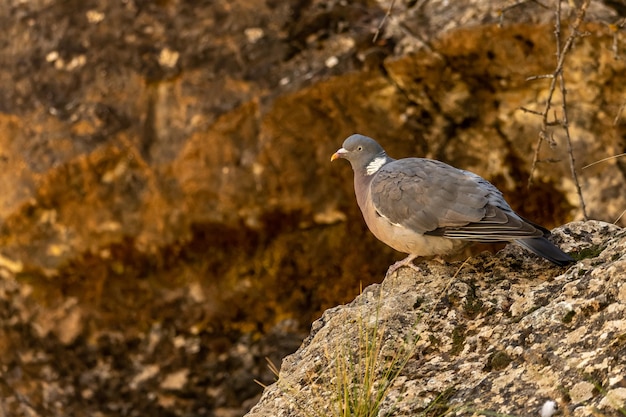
{"x":408,"y":262}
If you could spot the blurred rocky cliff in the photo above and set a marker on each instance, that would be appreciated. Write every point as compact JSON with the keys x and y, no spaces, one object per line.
{"x":169,"y":216}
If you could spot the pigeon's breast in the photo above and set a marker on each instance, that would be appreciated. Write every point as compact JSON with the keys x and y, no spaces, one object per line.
{"x":404,"y":239}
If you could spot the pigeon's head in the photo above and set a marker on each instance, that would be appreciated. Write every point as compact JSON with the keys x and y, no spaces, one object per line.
{"x":362,"y":152}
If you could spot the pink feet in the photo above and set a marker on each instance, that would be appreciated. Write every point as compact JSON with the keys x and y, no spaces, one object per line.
{"x":408,"y":262}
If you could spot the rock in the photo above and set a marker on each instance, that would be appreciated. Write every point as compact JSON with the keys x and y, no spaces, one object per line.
{"x":581,"y":392}
{"x":176,"y":380}
{"x":456,"y":337}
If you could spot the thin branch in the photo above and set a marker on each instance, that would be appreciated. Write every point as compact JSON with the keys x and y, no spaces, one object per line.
{"x":615,"y":28}
{"x":566,"y":48}
{"x":604,"y":159}
{"x":525,"y":110}
{"x":618,"y":116}
{"x":572,"y":164}
{"x":557,"y":76}
{"x":382,"y":22}
{"x":539,"y":77}
{"x":405,"y":29}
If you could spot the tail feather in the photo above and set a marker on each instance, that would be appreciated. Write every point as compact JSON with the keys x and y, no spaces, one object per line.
{"x":546,"y":249}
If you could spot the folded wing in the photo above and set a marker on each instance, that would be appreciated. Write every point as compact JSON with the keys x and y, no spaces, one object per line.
{"x":431,"y":197}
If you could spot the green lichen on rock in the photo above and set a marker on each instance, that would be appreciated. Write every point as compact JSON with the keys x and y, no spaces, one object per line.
{"x":588,"y":252}
{"x":499,"y":360}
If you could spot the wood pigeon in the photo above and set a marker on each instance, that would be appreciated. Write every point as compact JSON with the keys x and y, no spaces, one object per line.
{"x":424,"y":207}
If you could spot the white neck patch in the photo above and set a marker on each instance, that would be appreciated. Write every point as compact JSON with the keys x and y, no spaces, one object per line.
{"x":375,"y":165}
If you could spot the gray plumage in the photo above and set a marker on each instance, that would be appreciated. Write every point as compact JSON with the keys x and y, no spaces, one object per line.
{"x":424,"y":207}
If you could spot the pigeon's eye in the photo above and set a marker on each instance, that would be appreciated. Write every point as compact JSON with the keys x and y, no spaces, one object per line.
{"x":359,"y":148}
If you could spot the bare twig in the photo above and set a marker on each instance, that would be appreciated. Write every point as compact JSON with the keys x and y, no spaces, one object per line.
{"x":382,"y":22}
{"x":557,"y":76}
{"x":603,"y":160}
{"x":405,"y":29}
{"x":572,"y":162}
{"x":524,"y":109}
{"x":615,"y":28}
{"x":539,"y":77}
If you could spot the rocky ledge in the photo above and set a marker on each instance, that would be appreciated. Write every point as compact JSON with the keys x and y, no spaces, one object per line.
{"x":504,"y":333}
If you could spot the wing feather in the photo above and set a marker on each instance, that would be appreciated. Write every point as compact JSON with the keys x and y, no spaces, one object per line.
{"x":434,"y":198}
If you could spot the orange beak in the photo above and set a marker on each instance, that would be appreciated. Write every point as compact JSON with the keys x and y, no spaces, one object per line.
{"x":338,"y":154}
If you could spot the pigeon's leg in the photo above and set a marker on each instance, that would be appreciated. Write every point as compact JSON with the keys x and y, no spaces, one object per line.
{"x":408,"y":262}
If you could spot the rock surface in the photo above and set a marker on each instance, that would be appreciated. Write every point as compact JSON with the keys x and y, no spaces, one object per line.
{"x":497,"y":334}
